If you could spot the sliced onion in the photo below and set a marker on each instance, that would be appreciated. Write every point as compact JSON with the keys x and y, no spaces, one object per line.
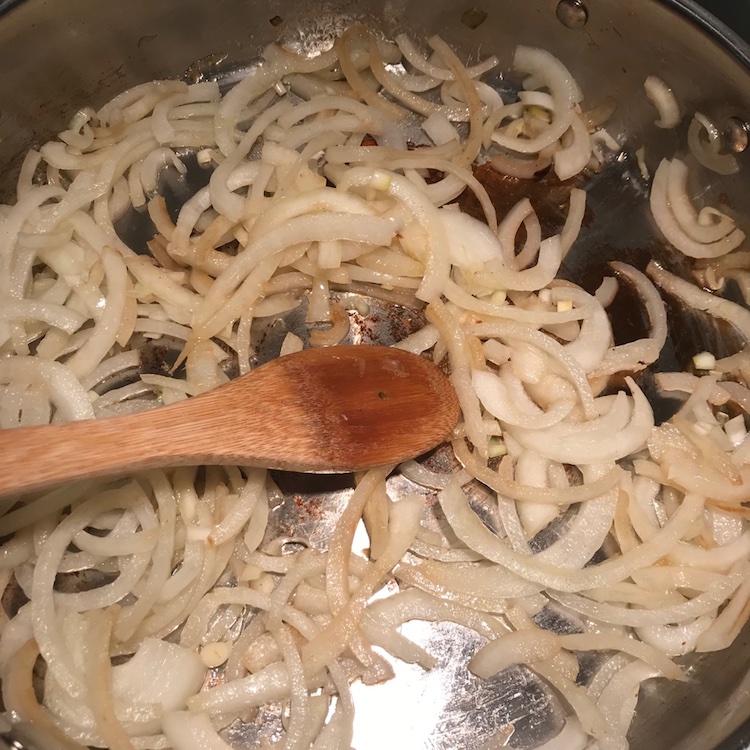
{"x":699,"y":299}
{"x":618,"y":699}
{"x":708,"y":226}
{"x":594,"y":339}
{"x":574,"y":220}
{"x":668,"y":224}
{"x":439,"y":129}
{"x":558,"y":80}
{"x":622,"y":430}
{"x":573,"y":157}
{"x":499,"y":276}
{"x":663,"y":98}
{"x":636,"y":354}
{"x":186,"y":730}
{"x":515,"y":166}
{"x":521,"y":647}
{"x":470,"y":242}
{"x":497,"y":400}
{"x":411,"y":53}
{"x":708,"y":152}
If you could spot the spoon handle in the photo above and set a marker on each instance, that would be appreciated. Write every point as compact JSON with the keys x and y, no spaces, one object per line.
{"x":35,"y":457}
{"x":228,"y":425}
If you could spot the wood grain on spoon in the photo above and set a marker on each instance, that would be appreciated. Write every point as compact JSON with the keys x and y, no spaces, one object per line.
{"x":334,"y":410}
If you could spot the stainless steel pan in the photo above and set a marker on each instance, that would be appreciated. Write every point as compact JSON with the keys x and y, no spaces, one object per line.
{"x":55,"y":57}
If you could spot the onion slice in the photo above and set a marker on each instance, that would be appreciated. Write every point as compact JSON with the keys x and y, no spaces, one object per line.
{"x":663,"y":98}
{"x":668,"y":222}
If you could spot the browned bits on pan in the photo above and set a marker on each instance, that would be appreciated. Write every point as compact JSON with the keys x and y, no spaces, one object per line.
{"x":547,"y":194}
{"x":473,"y":18}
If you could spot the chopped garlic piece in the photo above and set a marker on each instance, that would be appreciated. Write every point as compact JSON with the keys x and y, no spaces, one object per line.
{"x":704,"y":361}
{"x":497,"y":448}
{"x":215,"y":654}
{"x":381,"y":181}
{"x":204,"y":156}
{"x":736,"y":430}
{"x":265,"y":584}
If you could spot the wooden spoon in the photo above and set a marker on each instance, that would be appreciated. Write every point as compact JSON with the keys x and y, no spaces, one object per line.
{"x":334,"y":410}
